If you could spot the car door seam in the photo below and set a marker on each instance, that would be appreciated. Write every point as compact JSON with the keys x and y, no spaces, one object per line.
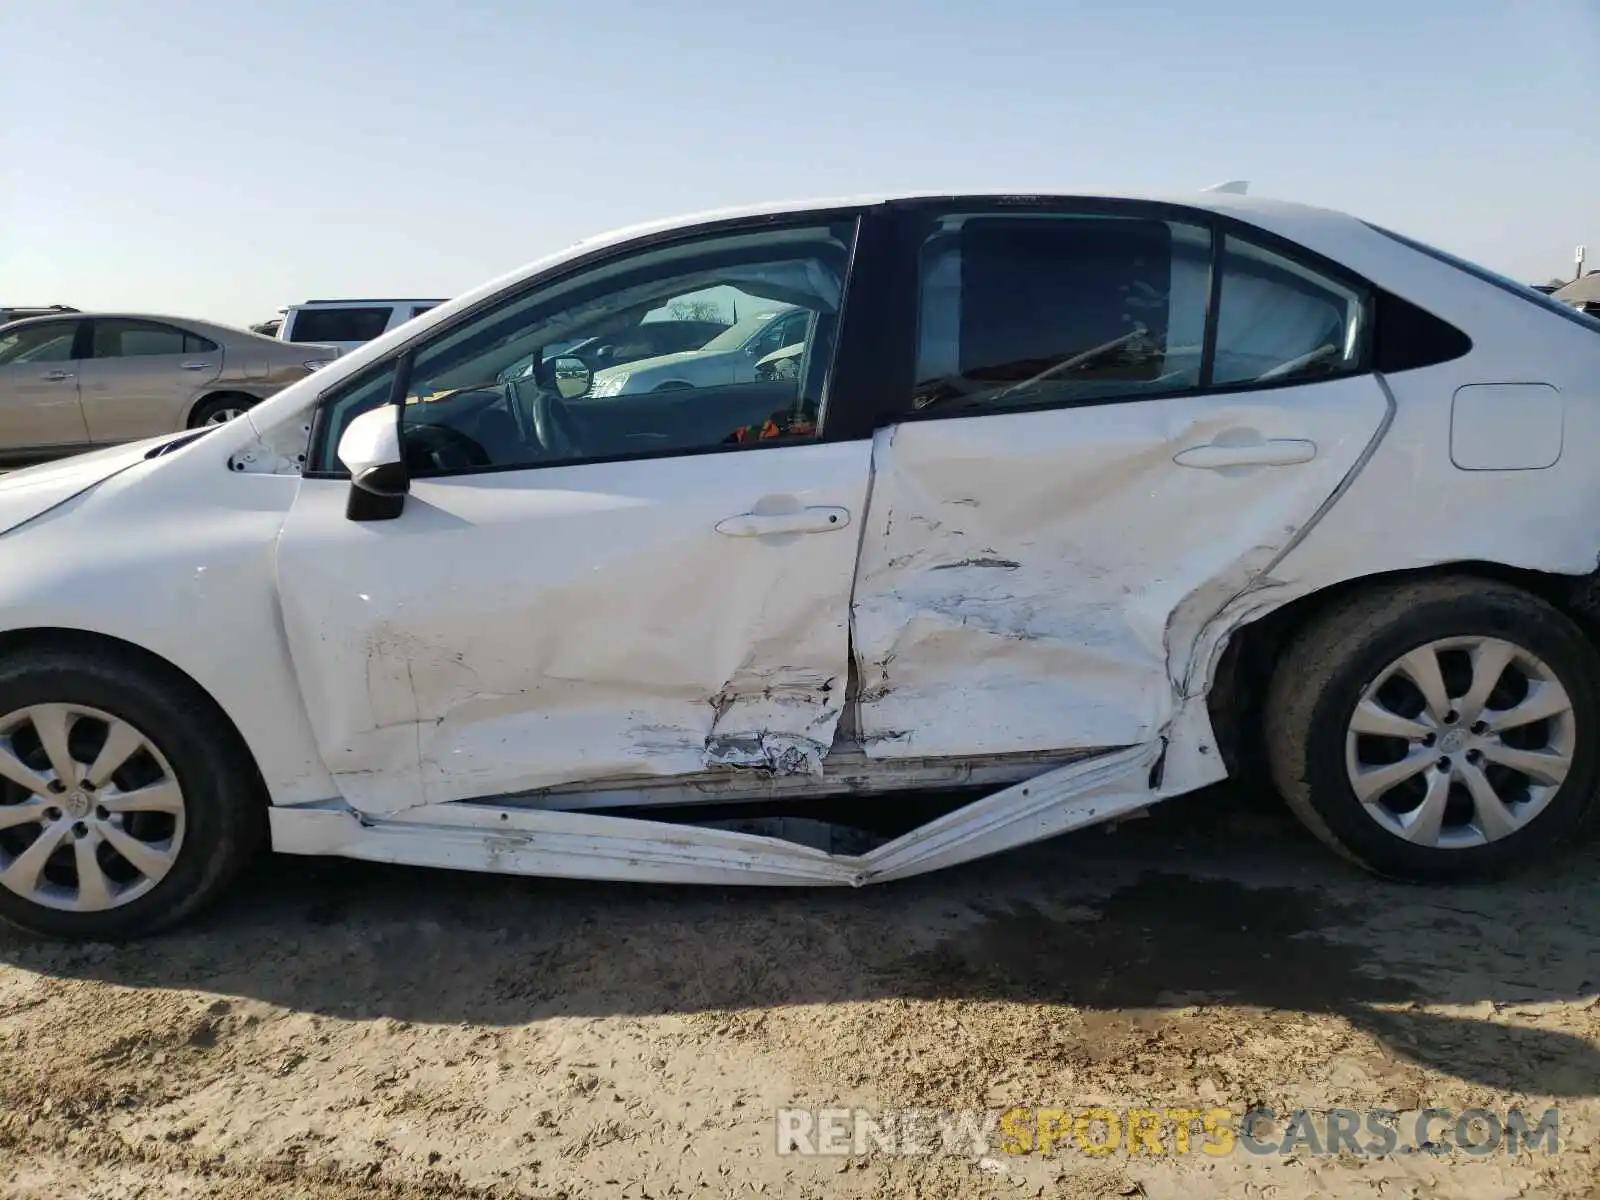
{"x":850,"y":710}
{"x":1186,"y":687}
{"x":1346,"y":483}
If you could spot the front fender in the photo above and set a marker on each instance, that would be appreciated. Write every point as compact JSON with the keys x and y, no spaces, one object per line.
{"x":33,"y":491}
{"x":177,"y":557}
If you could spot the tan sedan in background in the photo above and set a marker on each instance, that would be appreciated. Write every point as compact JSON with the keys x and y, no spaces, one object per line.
{"x":74,"y":383}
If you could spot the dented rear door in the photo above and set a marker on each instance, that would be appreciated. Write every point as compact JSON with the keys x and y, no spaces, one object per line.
{"x":1046,"y":540}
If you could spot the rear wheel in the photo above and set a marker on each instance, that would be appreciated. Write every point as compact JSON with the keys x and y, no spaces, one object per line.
{"x":126,"y":799}
{"x":1439,"y":731}
{"x":218,"y":410}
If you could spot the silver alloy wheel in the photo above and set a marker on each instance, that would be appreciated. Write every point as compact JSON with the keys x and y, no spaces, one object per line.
{"x":223,"y":415}
{"x":1460,"y":742}
{"x":91,"y":814}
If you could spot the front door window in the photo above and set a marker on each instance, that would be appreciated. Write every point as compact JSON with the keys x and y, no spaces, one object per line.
{"x":523,"y":385}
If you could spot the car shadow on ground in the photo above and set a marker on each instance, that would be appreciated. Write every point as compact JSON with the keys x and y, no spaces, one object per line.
{"x":1213,"y":900}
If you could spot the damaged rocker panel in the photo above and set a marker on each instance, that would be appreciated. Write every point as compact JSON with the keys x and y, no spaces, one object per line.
{"x":583,"y":845}
{"x":846,"y":770}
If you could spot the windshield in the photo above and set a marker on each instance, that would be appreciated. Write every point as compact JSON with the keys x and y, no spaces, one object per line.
{"x":1504,"y":282}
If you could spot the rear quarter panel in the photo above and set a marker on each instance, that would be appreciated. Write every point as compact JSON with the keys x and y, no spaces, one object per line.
{"x":1410,"y":504}
{"x":1407,"y":505}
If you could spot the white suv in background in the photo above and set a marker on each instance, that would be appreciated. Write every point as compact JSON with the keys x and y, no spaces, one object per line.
{"x":347,"y":323}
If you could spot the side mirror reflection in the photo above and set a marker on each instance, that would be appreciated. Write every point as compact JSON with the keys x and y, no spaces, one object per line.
{"x":573,"y":378}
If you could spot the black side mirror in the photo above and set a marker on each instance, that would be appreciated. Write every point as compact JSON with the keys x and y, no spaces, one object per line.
{"x":379,"y":480}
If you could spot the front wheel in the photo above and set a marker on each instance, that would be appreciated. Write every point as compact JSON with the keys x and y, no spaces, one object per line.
{"x":219,"y":410}
{"x":126,"y":799}
{"x":1440,"y":731}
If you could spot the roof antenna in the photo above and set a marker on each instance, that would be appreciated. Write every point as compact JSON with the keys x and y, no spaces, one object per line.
{"x":1233,"y":187}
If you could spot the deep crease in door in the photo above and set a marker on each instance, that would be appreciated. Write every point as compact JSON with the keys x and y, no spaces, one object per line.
{"x":1037,"y":580}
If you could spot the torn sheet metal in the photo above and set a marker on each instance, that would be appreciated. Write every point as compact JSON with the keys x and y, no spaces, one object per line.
{"x":1071,"y":797}
{"x":781,"y":722}
{"x":846,"y":771}
{"x":520,"y":630}
{"x":1036,"y":580}
{"x":573,"y":845}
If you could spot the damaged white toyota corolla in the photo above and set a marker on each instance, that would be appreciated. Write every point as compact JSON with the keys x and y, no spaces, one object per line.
{"x":1087,"y":501}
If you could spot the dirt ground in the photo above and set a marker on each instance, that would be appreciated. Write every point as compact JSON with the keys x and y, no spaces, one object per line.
{"x":341,"y":1030}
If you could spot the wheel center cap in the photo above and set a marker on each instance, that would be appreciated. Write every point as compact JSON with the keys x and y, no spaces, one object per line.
{"x":1453,"y":740}
{"x":76,"y":804}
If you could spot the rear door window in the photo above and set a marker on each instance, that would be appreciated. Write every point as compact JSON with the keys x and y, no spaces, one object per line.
{"x":142,"y":339}
{"x":339,"y":324}
{"x":1039,"y":310}
{"x":1281,"y":322}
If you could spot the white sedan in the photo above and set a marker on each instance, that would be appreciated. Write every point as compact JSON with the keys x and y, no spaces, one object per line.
{"x":730,"y":357}
{"x":1092,"y":501}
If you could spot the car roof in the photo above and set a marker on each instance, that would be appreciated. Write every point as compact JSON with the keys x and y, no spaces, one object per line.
{"x":1274,"y":215}
{"x":1221,"y":202}
{"x":1277,"y":216}
{"x":1584,"y":290}
{"x":373,"y":300}
{"x":197,"y":324}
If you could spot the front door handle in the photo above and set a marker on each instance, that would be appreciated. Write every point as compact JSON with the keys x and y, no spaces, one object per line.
{"x":1273,"y":452}
{"x":56,"y":376}
{"x":195,"y":366}
{"x":816,"y":519}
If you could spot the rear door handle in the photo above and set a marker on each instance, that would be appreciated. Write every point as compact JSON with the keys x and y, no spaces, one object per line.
{"x":1274,"y":452}
{"x":56,"y":376}
{"x":195,"y":366}
{"x":817,"y":519}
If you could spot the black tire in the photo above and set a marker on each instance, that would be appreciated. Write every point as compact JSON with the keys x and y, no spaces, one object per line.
{"x":212,"y":405}
{"x":224,"y":798}
{"x":1321,"y":676}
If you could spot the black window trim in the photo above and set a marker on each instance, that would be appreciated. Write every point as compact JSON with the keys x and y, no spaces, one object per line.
{"x":401,"y":357}
{"x":918,"y":216}
{"x":86,"y":344}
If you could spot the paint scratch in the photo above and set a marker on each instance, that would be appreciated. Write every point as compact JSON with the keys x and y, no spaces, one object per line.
{"x":1000,"y":564}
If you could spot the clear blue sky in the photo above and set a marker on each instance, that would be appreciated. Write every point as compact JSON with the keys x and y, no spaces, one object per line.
{"x":221,"y":159}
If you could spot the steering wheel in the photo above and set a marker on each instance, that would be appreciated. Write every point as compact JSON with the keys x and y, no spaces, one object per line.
{"x":553,"y":426}
{"x":431,"y":448}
